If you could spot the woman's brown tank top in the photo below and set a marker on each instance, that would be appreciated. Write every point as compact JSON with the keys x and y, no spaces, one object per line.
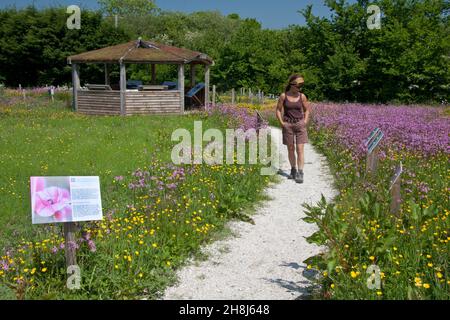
{"x":293,"y":111}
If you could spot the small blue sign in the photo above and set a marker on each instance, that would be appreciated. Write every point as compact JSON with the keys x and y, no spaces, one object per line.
{"x":375,"y":141}
{"x":372,"y":135}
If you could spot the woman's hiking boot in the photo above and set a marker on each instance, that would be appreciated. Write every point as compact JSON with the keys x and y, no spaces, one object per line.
{"x":299,"y":176}
{"x":293,"y":174}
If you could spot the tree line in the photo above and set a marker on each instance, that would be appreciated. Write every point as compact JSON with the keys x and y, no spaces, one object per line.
{"x":406,"y":60}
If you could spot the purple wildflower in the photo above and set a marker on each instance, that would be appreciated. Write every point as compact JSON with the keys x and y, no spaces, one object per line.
{"x":91,"y":245}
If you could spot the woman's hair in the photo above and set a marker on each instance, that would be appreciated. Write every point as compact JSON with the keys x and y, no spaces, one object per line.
{"x":291,"y":79}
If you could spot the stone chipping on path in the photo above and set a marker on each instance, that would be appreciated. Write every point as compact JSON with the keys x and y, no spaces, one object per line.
{"x":263,"y":261}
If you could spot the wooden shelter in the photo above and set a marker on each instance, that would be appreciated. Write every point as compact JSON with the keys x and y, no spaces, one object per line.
{"x":145,"y":99}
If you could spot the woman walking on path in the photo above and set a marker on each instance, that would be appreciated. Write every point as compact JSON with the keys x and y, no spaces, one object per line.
{"x":293,"y":114}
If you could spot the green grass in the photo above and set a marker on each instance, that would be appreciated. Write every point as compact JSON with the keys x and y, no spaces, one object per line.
{"x":53,"y":141}
{"x":147,"y":234}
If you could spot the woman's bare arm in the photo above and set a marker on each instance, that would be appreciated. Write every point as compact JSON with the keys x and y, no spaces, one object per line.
{"x":307,"y":108}
{"x":279,"y":111}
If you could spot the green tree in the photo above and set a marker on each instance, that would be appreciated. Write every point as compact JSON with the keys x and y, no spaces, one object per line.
{"x":127,"y":7}
{"x":35,"y":44}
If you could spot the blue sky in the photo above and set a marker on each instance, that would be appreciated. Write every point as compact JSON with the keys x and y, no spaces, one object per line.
{"x":271,"y":13}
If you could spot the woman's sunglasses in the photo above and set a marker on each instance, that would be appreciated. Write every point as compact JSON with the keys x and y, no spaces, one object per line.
{"x":297,"y":85}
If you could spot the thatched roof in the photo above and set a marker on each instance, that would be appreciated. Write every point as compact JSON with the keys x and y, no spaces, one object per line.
{"x":141,"y":52}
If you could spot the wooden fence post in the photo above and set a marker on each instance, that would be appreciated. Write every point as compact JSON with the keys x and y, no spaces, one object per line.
{"x":233,"y":97}
{"x":258,"y":122}
{"x":76,"y":85}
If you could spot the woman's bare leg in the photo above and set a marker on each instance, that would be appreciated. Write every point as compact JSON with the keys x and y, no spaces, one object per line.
{"x":300,"y":156}
{"x":291,"y":154}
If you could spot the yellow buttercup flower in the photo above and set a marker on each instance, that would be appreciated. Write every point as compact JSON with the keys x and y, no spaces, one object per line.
{"x":418,"y":282}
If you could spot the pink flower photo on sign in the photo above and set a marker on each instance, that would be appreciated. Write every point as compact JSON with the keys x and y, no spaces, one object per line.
{"x":50,"y":199}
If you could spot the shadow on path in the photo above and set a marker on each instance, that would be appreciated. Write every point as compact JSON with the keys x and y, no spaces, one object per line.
{"x":304,"y":288}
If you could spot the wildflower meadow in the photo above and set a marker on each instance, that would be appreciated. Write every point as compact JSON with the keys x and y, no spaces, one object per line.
{"x":156,"y":214}
{"x":410,"y":248}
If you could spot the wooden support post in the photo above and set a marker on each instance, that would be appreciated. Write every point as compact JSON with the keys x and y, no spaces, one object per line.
{"x":107,"y":82}
{"x":259,"y":96}
{"x":192,"y":75}
{"x":76,"y":85}
{"x":395,"y":190}
{"x":233,"y":97}
{"x":153,"y":73}
{"x":181,"y":85}
{"x":372,"y":161}
{"x":123,"y":88}
{"x":207,"y":75}
{"x":396,"y":198}
{"x":214,"y":95}
{"x":70,"y":243}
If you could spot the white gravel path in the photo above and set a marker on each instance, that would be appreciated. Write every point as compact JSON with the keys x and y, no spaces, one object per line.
{"x":262,"y":261}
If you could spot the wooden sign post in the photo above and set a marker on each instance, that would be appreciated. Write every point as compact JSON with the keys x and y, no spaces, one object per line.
{"x":70,"y":243}
{"x":395,"y":190}
{"x":372,"y":144}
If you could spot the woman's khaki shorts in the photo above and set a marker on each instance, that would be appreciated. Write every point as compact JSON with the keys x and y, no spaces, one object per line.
{"x":295,"y":133}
